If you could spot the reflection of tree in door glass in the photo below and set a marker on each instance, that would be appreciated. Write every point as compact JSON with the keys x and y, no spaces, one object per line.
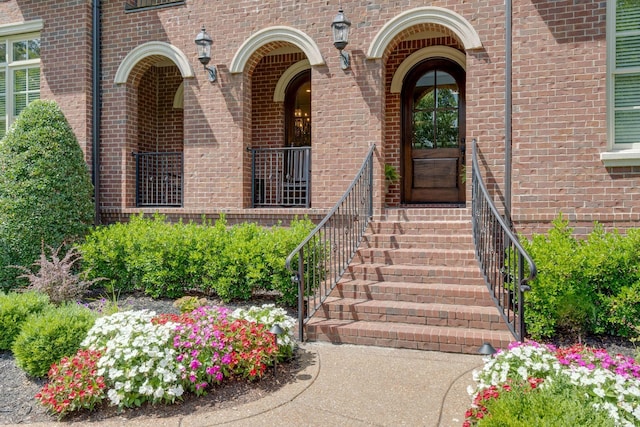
{"x":435,"y":112}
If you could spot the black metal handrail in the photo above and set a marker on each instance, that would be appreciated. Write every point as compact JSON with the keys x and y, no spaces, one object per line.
{"x":502,"y":258}
{"x":159,"y":179}
{"x":323,"y":256}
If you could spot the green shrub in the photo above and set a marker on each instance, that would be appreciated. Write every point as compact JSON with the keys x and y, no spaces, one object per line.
{"x":623,"y":311}
{"x":554,"y":255}
{"x":45,"y":188}
{"x":241,"y":267}
{"x":187,"y":304}
{"x":556,"y":404}
{"x":278,"y":246}
{"x":14,"y":309}
{"x":583,"y":286}
{"x":49,"y":336}
{"x":169,"y":260}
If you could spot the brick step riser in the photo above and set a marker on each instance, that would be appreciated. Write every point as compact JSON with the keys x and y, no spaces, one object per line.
{"x":418,"y":228}
{"x":429,"y":342}
{"x":416,"y":257}
{"x":430,"y":214}
{"x":429,"y":317}
{"x":400,"y":241}
{"x":452,"y":276}
{"x":471,"y":300}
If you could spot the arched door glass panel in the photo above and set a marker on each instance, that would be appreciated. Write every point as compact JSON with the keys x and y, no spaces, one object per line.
{"x":435,"y":111}
{"x":298,"y":111}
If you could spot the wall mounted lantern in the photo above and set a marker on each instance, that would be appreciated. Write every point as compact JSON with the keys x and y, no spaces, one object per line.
{"x":340,"y":26}
{"x":203,"y":42}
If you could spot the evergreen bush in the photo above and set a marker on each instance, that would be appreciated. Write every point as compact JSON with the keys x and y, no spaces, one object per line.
{"x":14,"y":310}
{"x":169,"y":260}
{"x":557,"y":404}
{"x":45,"y":188}
{"x":47,"y":337}
{"x":584,"y":285}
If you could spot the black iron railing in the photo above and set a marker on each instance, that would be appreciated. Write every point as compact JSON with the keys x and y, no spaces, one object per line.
{"x":145,"y":4}
{"x":159,"y":179}
{"x":507,"y":268}
{"x":281,"y":177}
{"x":320,"y":260}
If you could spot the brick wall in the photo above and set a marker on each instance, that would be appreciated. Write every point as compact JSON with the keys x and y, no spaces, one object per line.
{"x":160,"y":125}
{"x":65,"y":44}
{"x":559,"y":125}
{"x":170,"y":119}
{"x":559,"y":129}
{"x":147,"y":111}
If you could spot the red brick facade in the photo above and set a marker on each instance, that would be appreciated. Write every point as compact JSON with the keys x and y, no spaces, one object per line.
{"x":559,"y":98}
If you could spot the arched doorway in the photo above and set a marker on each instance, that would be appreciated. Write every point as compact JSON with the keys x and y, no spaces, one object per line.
{"x":297,"y":154}
{"x":298,"y":111}
{"x":433,"y":133}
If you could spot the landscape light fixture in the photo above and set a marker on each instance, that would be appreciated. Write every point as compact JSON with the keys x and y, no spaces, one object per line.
{"x":276,"y":330}
{"x":487,"y":349}
{"x":203,"y":42}
{"x":340,"y":26}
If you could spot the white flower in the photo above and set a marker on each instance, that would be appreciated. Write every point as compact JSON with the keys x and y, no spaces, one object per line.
{"x":114,"y":397}
{"x":615,"y":394}
{"x":522,"y":371}
{"x":175,"y":391}
{"x":139,"y":358}
{"x":158,"y":393}
{"x":268,"y":315}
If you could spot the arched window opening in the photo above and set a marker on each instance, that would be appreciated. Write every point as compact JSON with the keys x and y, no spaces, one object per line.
{"x":298,"y":111}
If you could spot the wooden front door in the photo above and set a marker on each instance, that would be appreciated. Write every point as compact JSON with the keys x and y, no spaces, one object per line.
{"x":433,"y":147}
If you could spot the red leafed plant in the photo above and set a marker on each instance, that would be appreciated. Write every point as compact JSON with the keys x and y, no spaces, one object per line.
{"x":254,"y":347}
{"x":73,"y":384}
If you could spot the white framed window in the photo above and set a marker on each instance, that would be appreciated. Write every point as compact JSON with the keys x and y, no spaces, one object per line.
{"x":623,"y":83}
{"x":19,"y":74}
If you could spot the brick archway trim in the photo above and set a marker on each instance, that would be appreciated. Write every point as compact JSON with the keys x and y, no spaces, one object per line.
{"x":275,"y":34}
{"x":422,"y":54}
{"x":153,"y":49}
{"x":424,"y":15}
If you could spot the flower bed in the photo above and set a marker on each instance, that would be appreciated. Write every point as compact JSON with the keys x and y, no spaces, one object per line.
{"x":133,"y":357}
{"x":607,"y":385}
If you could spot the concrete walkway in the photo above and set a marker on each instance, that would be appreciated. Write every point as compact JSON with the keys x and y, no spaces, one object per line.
{"x":347,"y":385}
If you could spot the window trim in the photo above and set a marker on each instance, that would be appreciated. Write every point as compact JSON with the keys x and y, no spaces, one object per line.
{"x":9,"y":34}
{"x":34,"y":26}
{"x":617,"y":155}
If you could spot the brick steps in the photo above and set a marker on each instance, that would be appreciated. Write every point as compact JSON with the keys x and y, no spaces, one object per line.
{"x":423,"y":241}
{"x":399,"y":335}
{"x":415,"y":273}
{"x":413,"y":283}
{"x":436,"y":314}
{"x":415,"y":256}
{"x":414,"y":292}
